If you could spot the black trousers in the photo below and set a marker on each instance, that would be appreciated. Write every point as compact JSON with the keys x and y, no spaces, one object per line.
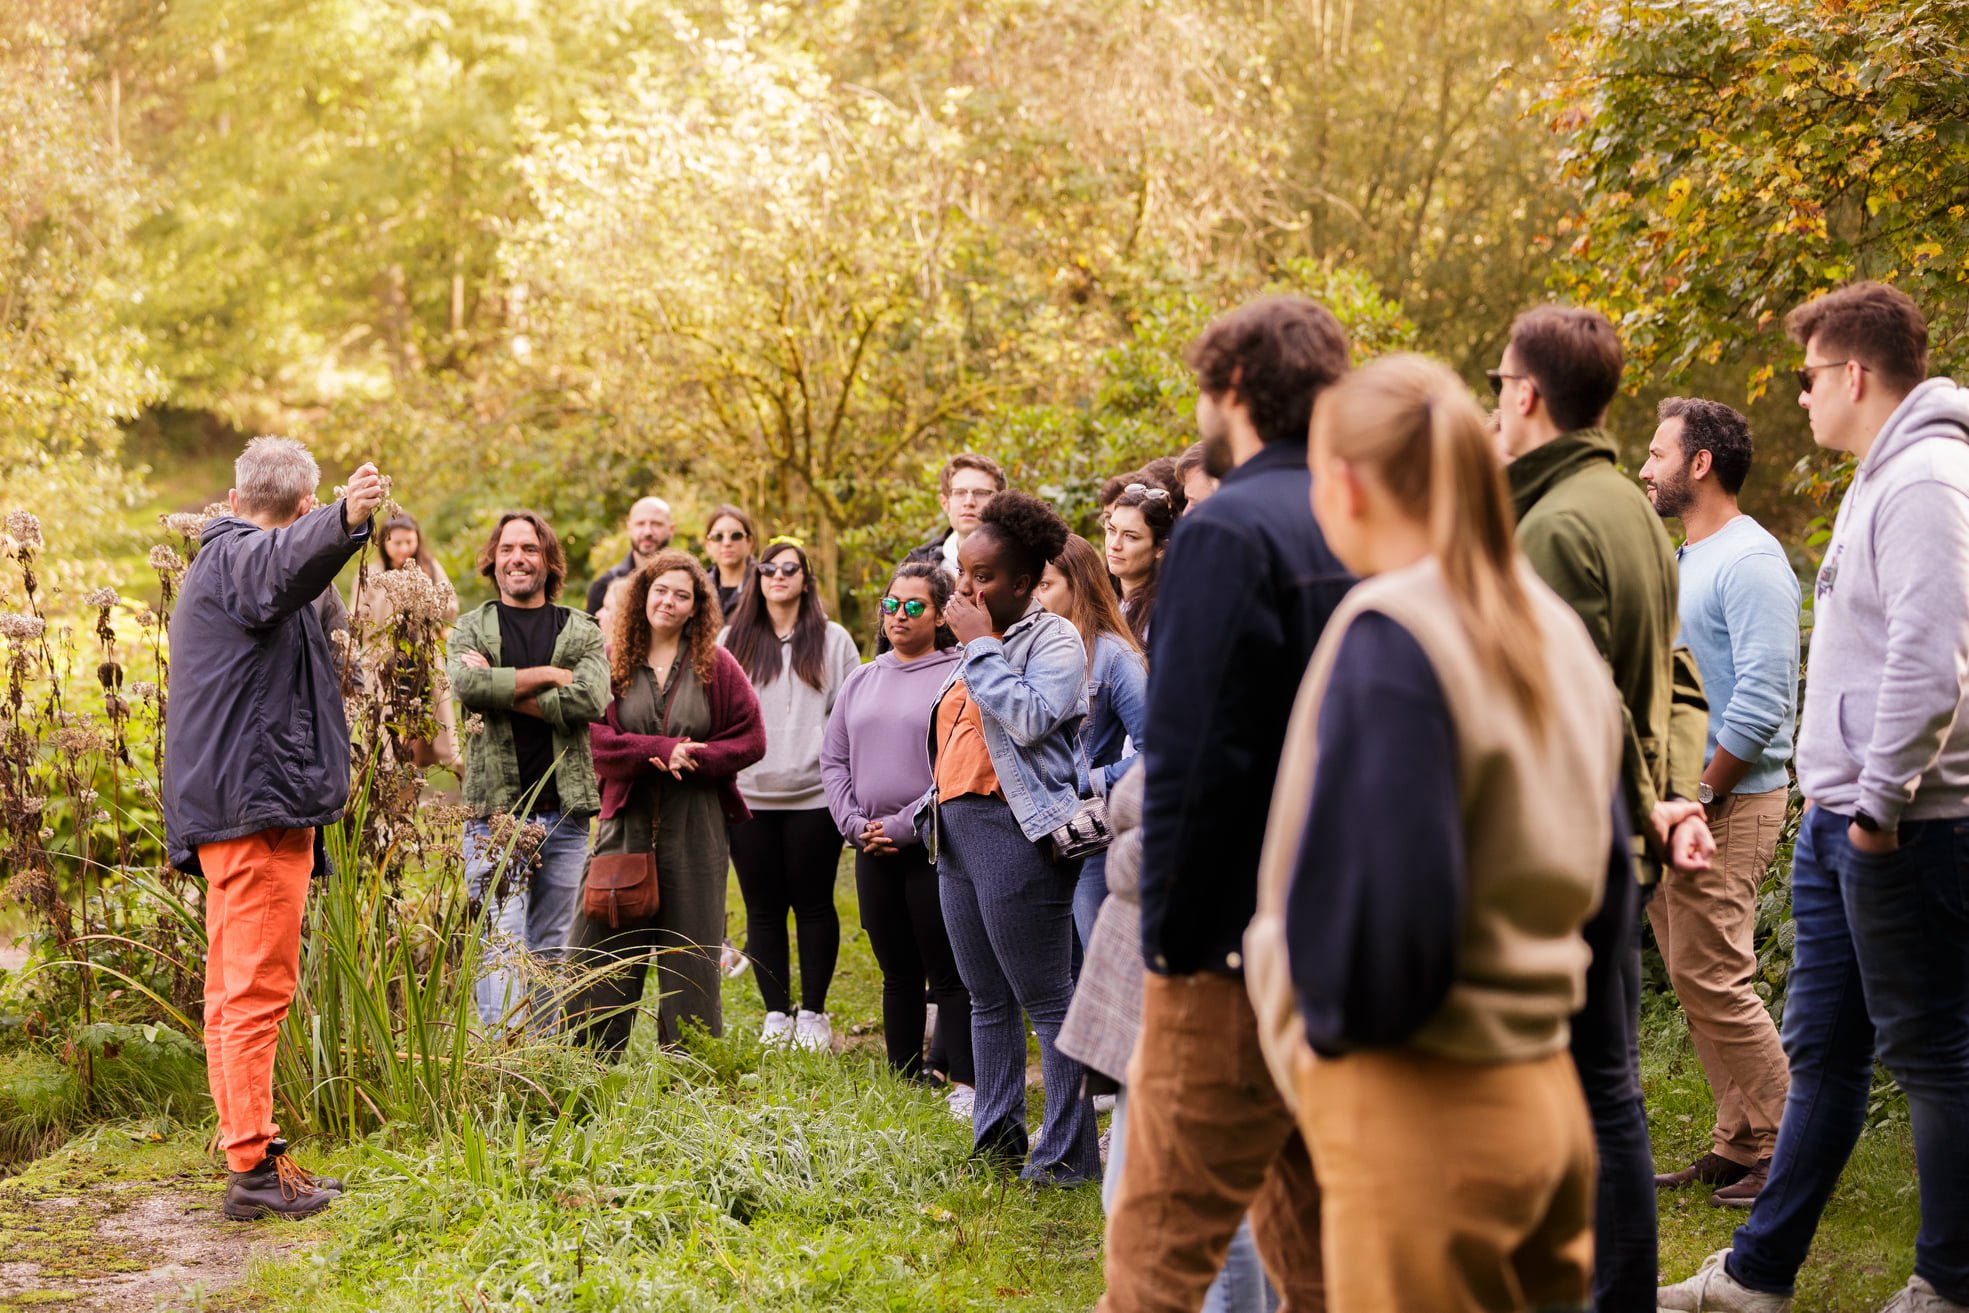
{"x":903,"y":913}
{"x":786,"y":862}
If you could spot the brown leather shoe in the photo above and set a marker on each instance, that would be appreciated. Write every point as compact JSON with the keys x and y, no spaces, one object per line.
{"x":276,"y":1188}
{"x":1710,"y":1169}
{"x":1743,"y":1192}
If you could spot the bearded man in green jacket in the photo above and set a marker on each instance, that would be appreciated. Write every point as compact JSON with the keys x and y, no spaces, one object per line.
{"x":1592,"y":535}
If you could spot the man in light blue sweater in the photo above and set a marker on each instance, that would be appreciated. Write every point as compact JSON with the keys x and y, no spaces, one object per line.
{"x":1739,"y":612}
{"x":1880,"y":875}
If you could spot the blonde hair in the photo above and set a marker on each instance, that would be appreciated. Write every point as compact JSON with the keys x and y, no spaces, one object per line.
{"x":1411,"y":421}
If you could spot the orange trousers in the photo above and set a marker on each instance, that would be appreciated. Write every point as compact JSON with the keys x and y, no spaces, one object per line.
{"x":255,"y":888}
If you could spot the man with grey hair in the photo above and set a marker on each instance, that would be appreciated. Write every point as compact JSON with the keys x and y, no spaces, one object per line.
{"x":650,"y":530}
{"x":256,"y":761}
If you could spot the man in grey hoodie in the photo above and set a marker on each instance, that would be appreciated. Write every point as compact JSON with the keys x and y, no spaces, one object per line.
{"x":1880,"y":875}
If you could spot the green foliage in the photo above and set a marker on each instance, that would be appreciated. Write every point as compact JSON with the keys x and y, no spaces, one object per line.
{"x":1733,"y":159}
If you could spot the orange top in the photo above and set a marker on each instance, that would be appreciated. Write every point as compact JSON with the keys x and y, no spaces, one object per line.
{"x":963,"y":757}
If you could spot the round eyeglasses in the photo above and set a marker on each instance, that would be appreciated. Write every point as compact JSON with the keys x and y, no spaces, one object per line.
{"x":913,"y":608}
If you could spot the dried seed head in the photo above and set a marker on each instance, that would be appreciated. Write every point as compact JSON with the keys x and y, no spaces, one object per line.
{"x":165,"y":560}
{"x":20,"y":628}
{"x":24,"y":529}
{"x":102,"y":597}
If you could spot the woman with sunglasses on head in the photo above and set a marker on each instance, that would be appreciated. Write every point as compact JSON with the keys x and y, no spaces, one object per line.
{"x":1005,"y":775}
{"x":875,"y":765}
{"x":1076,"y":586}
{"x":1138,"y":528}
{"x":797,"y":660}
{"x":729,"y":539}
{"x":1443,"y":828}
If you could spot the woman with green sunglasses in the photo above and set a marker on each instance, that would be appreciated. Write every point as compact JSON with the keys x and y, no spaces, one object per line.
{"x":875,"y":764}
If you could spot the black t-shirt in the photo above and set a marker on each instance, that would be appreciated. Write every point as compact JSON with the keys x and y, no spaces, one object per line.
{"x":526,"y":638}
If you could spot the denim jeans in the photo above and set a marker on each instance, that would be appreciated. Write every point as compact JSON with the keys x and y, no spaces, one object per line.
{"x":1241,"y":1286}
{"x":1881,"y":964}
{"x":535,"y":916}
{"x":1010,"y":916}
{"x":1088,"y":892}
{"x":1606,"y":1049}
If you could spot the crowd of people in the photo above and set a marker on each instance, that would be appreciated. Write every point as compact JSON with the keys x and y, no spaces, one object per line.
{"x":1309,"y":820}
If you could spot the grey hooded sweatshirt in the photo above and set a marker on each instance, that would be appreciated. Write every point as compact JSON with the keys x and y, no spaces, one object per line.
{"x":1883,"y":729}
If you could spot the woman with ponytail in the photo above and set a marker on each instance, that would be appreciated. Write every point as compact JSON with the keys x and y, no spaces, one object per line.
{"x":1444,"y":826}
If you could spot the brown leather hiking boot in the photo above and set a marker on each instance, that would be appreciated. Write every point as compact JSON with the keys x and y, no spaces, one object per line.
{"x":276,"y":1188}
{"x":277,"y":1146}
{"x":1710,"y":1169}
{"x":1743,"y":1192}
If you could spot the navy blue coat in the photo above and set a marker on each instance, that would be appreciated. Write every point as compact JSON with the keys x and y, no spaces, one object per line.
{"x":254,"y":733}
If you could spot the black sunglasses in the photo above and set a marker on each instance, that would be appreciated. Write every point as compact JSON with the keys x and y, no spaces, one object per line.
{"x":1497,"y":377}
{"x":1808,"y":374}
{"x":913,"y":608}
{"x":786,"y":569}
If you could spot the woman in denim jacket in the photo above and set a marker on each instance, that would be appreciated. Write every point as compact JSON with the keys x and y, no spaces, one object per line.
{"x":1005,"y":770}
{"x":1076,"y":586}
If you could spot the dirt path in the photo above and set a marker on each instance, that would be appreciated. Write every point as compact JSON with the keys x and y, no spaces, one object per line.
{"x":86,"y":1231}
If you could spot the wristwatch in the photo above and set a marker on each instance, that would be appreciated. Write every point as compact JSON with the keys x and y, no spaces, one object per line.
{"x":1866,"y":822}
{"x":1705,"y":795}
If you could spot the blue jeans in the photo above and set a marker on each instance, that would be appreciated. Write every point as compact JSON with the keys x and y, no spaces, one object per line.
{"x":1241,"y":1286}
{"x":1088,"y":892}
{"x":535,"y":916}
{"x":1010,"y":916}
{"x":1881,"y":964}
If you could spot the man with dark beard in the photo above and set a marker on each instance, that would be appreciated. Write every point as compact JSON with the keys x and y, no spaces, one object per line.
{"x":1739,"y":611}
{"x":534,"y":675}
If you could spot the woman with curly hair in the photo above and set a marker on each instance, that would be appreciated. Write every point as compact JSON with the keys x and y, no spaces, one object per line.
{"x":1005,"y":774}
{"x":788,"y":853}
{"x":683,"y":723}
{"x":1138,"y":528}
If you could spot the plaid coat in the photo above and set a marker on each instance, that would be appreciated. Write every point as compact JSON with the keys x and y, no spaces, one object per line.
{"x":1106,"y":1011}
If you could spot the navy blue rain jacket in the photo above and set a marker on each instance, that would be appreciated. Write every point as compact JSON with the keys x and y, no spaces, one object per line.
{"x":254,"y":733}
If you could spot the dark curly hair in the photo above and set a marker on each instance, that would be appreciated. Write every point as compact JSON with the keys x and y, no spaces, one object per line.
{"x":1031,"y":532}
{"x":629,"y":645}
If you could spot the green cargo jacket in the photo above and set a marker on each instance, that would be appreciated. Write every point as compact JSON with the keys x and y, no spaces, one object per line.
{"x":1593,"y":537}
{"x":492,"y":770}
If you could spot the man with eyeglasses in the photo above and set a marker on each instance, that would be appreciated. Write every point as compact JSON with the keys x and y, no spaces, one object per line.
{"x":967,"y":482}
{"x":1880,"y":872}
{"x":650,"y":530}
{"x":1592,"y":536}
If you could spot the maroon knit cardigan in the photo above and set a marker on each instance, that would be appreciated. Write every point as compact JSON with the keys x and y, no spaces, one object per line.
{"x":738,"y":738}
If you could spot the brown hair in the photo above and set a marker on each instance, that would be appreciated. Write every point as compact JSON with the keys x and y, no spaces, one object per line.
{"x":969,"y":460}
{"x":1191,"y":459}
{"x":1160,"y":511}
{"x":1574,"y":357}
{"x":1412,"y":422}
{"x":629,"y":645}
{"x":1877,"y":325}
{"x":1276,"y":354}
{"x":1094,"y":611}
{"x":396,"y":524}
{"x":752,"y":639}
{"x":550,"y":550}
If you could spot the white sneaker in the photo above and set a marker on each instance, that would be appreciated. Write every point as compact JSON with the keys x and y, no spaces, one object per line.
{"x":1103,"y":1103}
{"x":1713,"y":1290}
{"x":962,"y":1101}
{"x":777,"y":1030}
{"x":1917,"y":1296}
{"x":813,"y":1031}
{"x":733,"y":963}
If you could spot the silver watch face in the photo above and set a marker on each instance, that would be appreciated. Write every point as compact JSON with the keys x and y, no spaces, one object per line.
{"x":1705,"y":795}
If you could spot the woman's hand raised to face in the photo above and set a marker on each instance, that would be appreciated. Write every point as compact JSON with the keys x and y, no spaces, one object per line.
{"x":967,"y":619}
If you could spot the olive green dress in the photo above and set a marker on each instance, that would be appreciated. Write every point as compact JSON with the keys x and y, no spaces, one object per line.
{"x":692,"y":858}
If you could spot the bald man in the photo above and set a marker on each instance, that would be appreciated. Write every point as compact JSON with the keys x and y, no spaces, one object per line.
{"x":650,"y":528}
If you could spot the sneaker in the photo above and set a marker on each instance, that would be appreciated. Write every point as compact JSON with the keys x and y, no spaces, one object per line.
{"x":1713,"y":1290}
{"x":1103,"y":1103}
{"x":1917,"y":1296}
{"x":777,"y":1030}
{"x":813,"y":1031}
{"x":732,"y":962}
{"x":1711,"y":1169}
{"x":276,"y":1188}
{"x":1106,"y":1145}
{"x":1743,"y":1193}
{"x":962,"y":1102}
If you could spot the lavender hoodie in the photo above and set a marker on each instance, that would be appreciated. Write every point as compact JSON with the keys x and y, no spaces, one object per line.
{"x":875,"y":759}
